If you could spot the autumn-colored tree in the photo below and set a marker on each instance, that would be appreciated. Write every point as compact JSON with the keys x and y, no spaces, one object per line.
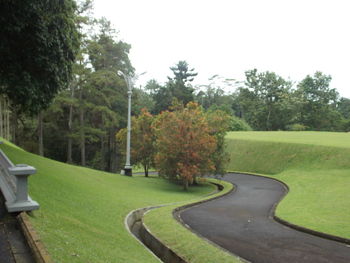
{"x":219,"y":124}
{"x":142,"y":140}
{"x":184,"y":144}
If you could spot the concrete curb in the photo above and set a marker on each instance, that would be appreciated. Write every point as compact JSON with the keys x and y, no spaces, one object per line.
{"x":165,"y":253}
{"x":135,"y":216}
{"x":39,"y":251}
{"x":297,"y":227}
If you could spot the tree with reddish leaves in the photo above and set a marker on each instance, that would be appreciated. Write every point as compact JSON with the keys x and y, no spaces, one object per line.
{"x":142,"y":140}
{"x":184,"y":144}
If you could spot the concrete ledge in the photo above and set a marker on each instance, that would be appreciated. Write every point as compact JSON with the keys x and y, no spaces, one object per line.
{"x":133,"y":218}
{"x":165,"y":253}
{"x":297,"y":227}
{"x":39,"y":252}
{"x":144,"y":235}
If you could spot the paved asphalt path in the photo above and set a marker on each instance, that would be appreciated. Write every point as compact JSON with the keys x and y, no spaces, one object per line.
{"x":242,"y":223}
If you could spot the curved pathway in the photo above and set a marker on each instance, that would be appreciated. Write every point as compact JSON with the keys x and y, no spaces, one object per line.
{"x":242,"y":223}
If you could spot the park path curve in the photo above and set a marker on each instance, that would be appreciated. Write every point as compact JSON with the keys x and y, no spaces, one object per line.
{"x":242,"y":223}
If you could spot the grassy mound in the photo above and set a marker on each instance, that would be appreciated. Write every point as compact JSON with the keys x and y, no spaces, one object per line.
{"x":82,"y":212}
{"x":315,"y":166}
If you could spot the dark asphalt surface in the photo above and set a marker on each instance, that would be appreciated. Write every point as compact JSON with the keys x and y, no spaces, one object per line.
{"x":13,"y":247}
{"x":242,"y":223}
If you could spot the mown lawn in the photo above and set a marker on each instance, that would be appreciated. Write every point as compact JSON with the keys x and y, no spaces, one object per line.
{"x":333,"y":139}
{"x":315,"y":166}
{"x":81,"y":218}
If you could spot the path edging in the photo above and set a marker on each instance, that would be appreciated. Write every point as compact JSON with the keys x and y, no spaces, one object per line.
{"x":165,"y":253}
{"x":132,"y":218}
{"x":294,"y":226}
{"x":36,"y":246}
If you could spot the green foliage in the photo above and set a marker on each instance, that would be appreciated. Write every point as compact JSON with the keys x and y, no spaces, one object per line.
{"x":296,"y":127}
{"x":178,"y":87}
{"x":214,"y":96}
{"x":106,"y":53}
{"x":266,"y":102}
{"x":318,"y":103}
{"x":238,"y":124}
{"x":39,"y":42}
{"x":141,"y":100}
{"x":219,"y":123}
{"x":344,"y":107}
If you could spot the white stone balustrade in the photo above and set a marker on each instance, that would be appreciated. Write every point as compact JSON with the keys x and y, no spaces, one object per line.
{"x":14,"y":185}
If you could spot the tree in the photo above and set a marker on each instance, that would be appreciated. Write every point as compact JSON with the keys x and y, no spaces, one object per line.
{"x":184,"y":144}
{"x":344,"y":107}
{"x":39,"y":41}
{"x":142,"y":140}
{"x":318,"y":102}
{"x":265,"y":102}
{"x":103,"y":104}
{"x":160,"y":95}
{"x":179,"y":85}
{"x":141,"y":100}
{"x":219,"y":124}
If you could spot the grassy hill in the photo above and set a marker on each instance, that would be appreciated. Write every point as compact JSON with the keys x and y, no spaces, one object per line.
{"x":81,"y":218}
{"x":315,"y":166}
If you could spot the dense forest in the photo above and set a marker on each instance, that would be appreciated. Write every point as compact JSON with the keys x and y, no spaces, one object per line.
{"x":79,"y":125}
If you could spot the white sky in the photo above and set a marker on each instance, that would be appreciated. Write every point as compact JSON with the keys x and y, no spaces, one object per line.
{"x":227,"y":37}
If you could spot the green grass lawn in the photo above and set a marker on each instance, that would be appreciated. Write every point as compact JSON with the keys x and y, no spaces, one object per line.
{"x":333,"y":139}
{"x":81,"y":218}
{"x":315,"y":166}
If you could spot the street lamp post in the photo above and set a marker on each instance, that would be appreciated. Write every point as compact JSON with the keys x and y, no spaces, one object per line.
{"x":128,"y":168}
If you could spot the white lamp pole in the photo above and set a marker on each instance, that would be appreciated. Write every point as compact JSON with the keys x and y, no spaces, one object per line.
{"x":128,"y":167}
{"x":129,"y":82}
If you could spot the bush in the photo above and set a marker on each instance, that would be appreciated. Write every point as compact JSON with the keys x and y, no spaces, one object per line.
{"x":238,"y":124}
{"x":296,"y":127}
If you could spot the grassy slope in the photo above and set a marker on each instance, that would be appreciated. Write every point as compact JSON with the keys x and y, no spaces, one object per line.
{"x":82,"y":212}
{"x":316,"y":167}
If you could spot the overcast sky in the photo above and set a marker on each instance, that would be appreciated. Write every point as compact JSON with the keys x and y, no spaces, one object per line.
{"x":227,"y":37}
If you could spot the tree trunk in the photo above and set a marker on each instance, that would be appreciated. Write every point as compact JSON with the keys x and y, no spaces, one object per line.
{"x":14,"y":127}
{"x":103,"y":155}
{"x":8,"y":121}
{"x":195,"y":180}
{"x":1,"y":119}
{"x":112,"y":158}
{"x":69,"y":151}
{"x":41,"y":134}
{"x":185,"y":184}
{"x":145,"y":167}
{"x":82,"y":130}
{"x":268,"y":120}
{"x":70,"y":120}
{"x":113,"y":152}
